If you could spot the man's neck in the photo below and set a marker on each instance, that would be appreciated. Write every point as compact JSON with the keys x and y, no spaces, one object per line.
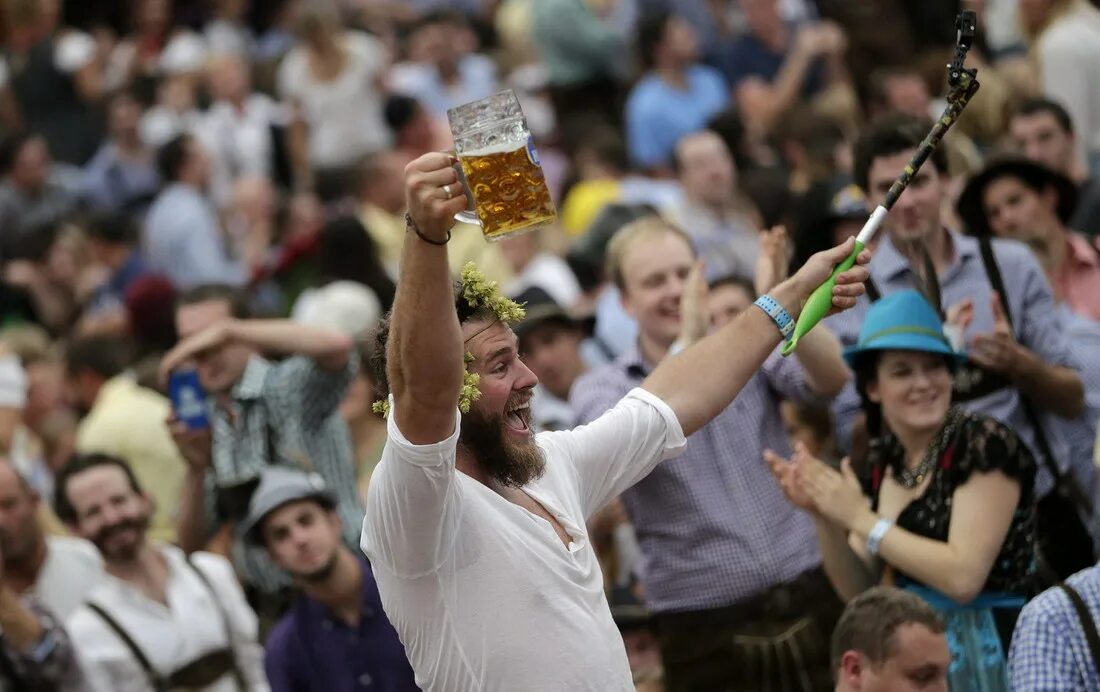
{"x":143,"y":569}
{"x":1058,"y":249}
{"x":22,"y":575}
{"x":673,"y":74}
{"x":653,"y":350}
{"x":130,"y":147}
{"x":468,"y":464}
{"x":938,"y":245}
{"x":342,"y":591}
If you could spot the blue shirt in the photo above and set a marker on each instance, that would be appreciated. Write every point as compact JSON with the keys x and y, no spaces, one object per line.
{"x":1035,"y":320}
{"x":748,"y":57}
{"x":658,"y":114}
{"x":310,"y":649}
{"x":114,"y":184}
{"x":713,"y":525}
{"x":183,"y":240}
{"x":1049,"y":652}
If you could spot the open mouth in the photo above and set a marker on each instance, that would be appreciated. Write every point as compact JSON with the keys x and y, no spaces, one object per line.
{"x":516,"y":418}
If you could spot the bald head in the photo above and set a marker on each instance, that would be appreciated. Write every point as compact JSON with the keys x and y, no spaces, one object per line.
{"x":706,"y":168}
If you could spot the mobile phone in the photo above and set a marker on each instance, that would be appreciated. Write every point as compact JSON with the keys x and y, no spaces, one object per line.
{"x":188,"y":399}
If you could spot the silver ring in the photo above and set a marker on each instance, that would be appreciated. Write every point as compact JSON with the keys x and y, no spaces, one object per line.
{"x":447,"y":189}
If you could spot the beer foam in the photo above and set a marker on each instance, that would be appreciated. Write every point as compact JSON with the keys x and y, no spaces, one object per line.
{"x":501,"y":148}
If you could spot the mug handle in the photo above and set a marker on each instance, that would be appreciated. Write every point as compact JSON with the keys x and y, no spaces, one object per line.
{"x":469,"y":214}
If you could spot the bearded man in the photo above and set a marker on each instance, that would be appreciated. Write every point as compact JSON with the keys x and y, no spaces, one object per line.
{"x":158,"y":619}
{"x":475,"y":527}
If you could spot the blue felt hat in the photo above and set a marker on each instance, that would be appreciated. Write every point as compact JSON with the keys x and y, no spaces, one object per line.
{"x":902,"y":322}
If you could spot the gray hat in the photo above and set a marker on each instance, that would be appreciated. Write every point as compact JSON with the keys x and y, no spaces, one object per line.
{"x":280,"y":486}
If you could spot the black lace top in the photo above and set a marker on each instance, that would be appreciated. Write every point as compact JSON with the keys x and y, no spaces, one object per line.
{"x":980,"y":444}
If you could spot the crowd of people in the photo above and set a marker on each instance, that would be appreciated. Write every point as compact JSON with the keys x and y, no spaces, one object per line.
{"x":573,"y":459}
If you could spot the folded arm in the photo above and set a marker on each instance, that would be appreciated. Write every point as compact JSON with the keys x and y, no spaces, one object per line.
{"x":960,"y":566}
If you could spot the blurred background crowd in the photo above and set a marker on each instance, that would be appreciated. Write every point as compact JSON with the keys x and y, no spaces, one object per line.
{"x":166,"y":165}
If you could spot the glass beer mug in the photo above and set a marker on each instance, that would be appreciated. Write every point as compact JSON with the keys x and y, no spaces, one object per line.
{"x":505,"y":188}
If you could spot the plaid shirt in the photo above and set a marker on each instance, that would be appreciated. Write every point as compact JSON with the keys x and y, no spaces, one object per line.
{"x":1049,"y":652}
{"x":49,"y":664}
{"x":713,"y":525}
{"x":1035,"y":319}
{"x":285,"y":413}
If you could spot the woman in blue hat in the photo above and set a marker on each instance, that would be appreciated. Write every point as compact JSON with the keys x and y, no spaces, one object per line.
{"x":948,"y":511}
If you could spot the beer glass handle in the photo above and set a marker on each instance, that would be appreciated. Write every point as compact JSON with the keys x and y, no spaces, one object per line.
{"x":469,"y":214}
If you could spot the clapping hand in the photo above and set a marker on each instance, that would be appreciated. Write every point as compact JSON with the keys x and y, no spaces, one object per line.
{"x":998,"y":350}
{"x":772,"y":260}
{"x":694,"y":315}
{"x":786,"y":474}
{"x":837,"y":495}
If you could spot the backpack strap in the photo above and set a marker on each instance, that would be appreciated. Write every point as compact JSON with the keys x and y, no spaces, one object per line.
{"x":155,"y":680}
{"x":1087,"y":623}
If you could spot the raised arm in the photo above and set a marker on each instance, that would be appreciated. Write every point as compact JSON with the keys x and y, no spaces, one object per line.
{"x":330,"y":349}
{"x":701,"y":381}
{"x":424,"y":357}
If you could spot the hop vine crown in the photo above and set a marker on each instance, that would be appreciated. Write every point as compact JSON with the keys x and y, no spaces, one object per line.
{"x":479,"y":292}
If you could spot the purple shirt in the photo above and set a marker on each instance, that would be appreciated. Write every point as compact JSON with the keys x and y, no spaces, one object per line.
{"x":713,"y":525}
{"x":312,"y":650}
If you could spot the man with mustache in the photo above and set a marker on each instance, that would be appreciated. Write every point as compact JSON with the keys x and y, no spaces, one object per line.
{"x":336,"y":635}
{"x":475,"y":527}
{"x":158,"y":619}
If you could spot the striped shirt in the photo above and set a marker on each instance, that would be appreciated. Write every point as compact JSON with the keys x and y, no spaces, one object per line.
{"x":1049,"y":652}
{"x":286,"y":413}
{"x":713,"y":525}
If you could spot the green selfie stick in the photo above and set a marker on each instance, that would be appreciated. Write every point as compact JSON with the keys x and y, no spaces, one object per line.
{"x":964,"y":84}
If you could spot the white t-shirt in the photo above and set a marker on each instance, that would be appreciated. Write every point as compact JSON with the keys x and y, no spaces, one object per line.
{"x":344,"y":115}
{"x":191,"y":625}
{"x":72,"y":568}
{"x":482,"y":592}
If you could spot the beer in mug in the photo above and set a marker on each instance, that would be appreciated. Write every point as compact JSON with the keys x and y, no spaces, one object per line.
{"x":503,"y":178}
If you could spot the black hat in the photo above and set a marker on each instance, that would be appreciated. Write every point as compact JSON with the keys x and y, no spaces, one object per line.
{"x":1035,"y":175}
{"x":542,"y":309}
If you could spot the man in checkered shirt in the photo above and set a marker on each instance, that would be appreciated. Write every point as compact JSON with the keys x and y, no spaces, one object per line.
{"x":261,"y":413}
{"x":731,"y":569}
{"x":1049,"y":650}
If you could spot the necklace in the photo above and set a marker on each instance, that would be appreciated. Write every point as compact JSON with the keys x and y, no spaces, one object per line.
{"x":911,"y":478}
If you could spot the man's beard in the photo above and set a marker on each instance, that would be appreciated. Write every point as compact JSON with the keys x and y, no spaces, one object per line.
{"x":322,"y":573}
{"x":510,"y":463}
{"x":139,"y":524}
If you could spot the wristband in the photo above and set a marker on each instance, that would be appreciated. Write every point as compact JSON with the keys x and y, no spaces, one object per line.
{"x":778,"y":313}
{"x":878,"y":531}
